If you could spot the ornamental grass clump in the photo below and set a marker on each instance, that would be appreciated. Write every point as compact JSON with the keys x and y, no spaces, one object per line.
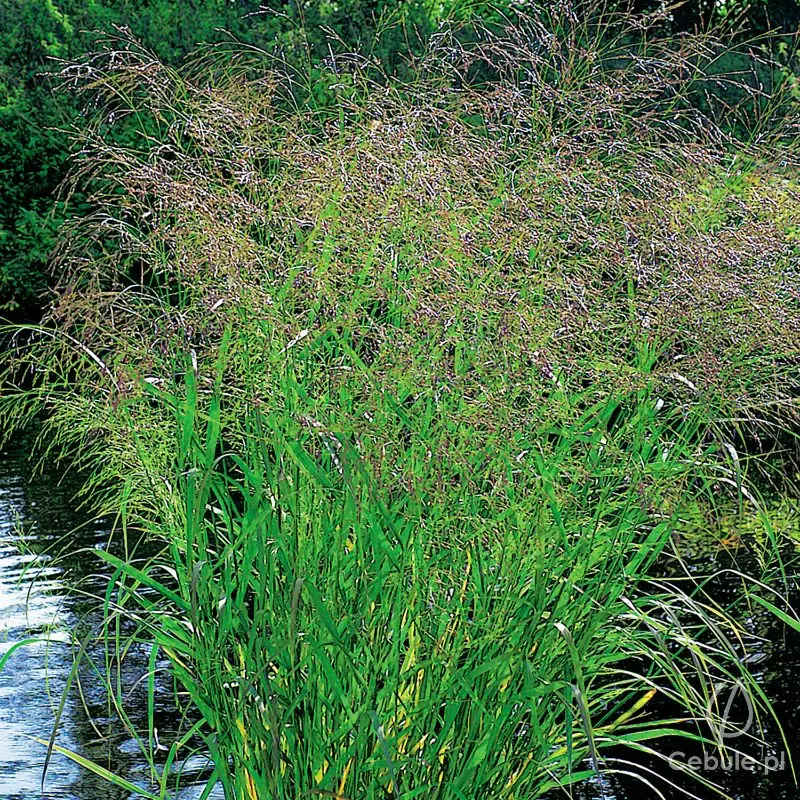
{"x":342,"y":639}
{"x":413,"y":386}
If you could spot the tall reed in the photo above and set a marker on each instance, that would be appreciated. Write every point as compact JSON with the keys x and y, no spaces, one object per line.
{"x":345,"y":640}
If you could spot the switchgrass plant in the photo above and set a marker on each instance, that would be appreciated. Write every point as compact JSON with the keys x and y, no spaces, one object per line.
{"x":448,"y":360}
{"x":342,"y":640}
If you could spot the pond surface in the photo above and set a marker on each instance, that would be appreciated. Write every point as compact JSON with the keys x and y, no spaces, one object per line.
{"x":37,"y":522}
{"x":44,"y":591}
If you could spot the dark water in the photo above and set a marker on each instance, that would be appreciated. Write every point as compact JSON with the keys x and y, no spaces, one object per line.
{"x":46,"y":547}
{"x":50,"y":580}
{"x":773,"y":656}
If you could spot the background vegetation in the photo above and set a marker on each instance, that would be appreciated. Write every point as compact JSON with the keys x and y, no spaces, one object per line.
{"x":35,"y":34}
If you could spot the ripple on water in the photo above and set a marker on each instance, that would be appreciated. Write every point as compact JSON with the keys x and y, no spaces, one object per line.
{"x":36,"y":603}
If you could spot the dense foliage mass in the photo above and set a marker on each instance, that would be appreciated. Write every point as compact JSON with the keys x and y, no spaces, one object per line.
{"x":414,"y":387}
{"x":36,"y":34}
{"x":35,"y":118}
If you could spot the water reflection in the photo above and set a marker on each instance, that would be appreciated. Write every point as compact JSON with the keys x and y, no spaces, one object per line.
{"x":774,"y":656}
{"x":54,"y":600}
{"x":34,"y":676}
